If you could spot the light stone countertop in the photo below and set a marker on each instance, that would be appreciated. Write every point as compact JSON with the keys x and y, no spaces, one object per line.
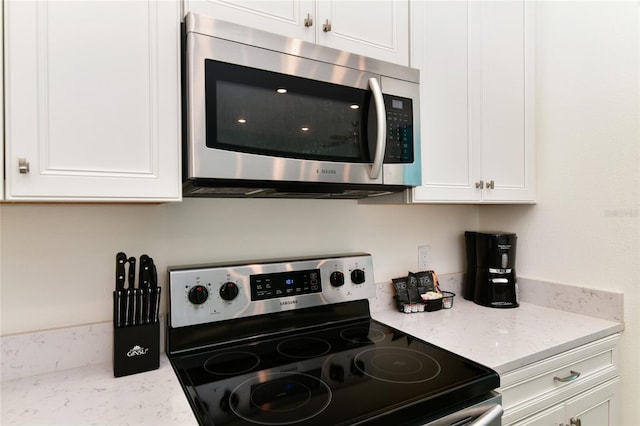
{"x":90,"y":395}
{"x":503,"y":339}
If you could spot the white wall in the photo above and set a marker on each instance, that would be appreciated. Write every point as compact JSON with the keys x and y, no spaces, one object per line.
{"x":585,"y":229}
{"x":58,"y":261}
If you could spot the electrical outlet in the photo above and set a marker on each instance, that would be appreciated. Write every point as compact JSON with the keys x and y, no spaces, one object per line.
{"x":424,"y":258}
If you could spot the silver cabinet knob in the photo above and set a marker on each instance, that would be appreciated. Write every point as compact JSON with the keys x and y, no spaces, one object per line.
{"x":480,"y":185}
{"x":308,"y":21}
{"x":326,"y":27}
{"x":575,"y":422}
{"x":23,"y":165}
{"x":490,"y":184}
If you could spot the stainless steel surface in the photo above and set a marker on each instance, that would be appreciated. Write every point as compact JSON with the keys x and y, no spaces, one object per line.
{"x":381,"y":118}
{"x":487,"y":412}
{"x":213,"y":277}
{"x":23,"y":165}
{"x":570,"y":378}
{"x":308,"y":21}
{"x":208,"y":38}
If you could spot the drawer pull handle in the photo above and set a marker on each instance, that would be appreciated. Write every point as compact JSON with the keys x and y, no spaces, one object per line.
{"x":575,"y":422}
{"x":574,"y":375}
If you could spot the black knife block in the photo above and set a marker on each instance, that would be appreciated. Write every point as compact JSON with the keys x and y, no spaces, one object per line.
{"x":136,"y":349}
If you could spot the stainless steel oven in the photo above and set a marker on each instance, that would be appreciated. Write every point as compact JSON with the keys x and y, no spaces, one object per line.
{"x":291,"y":342}
{"x":268,"y":115}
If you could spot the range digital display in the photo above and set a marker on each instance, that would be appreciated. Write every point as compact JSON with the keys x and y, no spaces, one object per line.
{"x":283,"y":284}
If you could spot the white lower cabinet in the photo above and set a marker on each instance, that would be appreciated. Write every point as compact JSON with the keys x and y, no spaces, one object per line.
{"x":577,"y":387}
{"x":92,"y":100}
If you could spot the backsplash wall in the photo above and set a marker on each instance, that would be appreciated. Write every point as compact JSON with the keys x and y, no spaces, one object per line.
{"x":57,"y":260}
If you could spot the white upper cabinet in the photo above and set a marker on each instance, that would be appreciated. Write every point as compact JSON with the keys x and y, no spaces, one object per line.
{"x":375,"y":28}
{"x":1,"y":110}
{"x":92,"y":100}
{"x":477,"y":96}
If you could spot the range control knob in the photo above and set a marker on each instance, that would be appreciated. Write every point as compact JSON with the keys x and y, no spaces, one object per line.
{"x":357,"y":276}
{"x":198,"y":294}
{"x":229,"y":290}
{"x":336,"y":279}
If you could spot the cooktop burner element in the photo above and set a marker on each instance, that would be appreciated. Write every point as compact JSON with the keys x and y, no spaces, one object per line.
{"x":232,"y":363}
{"x":397,"y":365}
{"x":281,"y":398}
{"x":291,"y":348}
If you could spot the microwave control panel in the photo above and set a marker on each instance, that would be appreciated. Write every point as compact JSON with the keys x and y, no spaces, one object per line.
{"x":399,"y":129}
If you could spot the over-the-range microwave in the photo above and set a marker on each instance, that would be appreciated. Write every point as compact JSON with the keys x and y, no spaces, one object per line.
{"x":271,"y":116}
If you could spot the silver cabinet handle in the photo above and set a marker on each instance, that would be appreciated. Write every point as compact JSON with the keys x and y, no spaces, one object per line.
{"x":326,"y":27}
{"x":480,"y":185}
{"x":381,"y":139}
{"x":489,"y":416}
{"x":575,"y":422}
{"x":23,"y":165}
{"x":308,"y":21}
{"x":570,"y":378}
{"x":490,"y":184}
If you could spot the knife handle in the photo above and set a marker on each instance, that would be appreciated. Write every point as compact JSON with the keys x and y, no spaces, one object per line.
{"x":132,"y":272}
{"x":121,"y":259}
{"x":156,"y":312}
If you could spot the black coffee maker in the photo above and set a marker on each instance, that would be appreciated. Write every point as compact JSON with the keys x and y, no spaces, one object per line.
{"x":491,"y":273}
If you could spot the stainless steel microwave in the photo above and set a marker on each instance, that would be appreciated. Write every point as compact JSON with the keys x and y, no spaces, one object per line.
{"x":271,"y":116}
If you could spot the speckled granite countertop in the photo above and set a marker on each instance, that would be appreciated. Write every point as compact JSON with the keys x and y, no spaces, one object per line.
{"x":89,"y":394}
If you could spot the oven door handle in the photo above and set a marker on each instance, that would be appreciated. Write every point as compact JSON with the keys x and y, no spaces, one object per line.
{"x":381,"y":139}
{"x":489,"y":416}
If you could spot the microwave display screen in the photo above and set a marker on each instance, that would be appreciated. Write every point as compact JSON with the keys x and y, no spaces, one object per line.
{"x":268,"y":113}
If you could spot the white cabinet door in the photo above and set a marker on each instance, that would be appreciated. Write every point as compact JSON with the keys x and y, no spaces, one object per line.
{"x":92,"y":92}
{"x":2,"y":108}
{"x":375,"y":28}
{"x":291,"y":18}
{"x":378,"y":29}
{"x":477,"y":92}
{"x":504,"y":93}
{"x":597,"y":406}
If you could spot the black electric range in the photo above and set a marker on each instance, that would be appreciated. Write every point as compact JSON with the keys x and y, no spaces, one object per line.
{"x":291,"y":342}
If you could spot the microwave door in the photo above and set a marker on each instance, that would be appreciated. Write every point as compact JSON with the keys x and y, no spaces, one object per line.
{"x":267,"y":125}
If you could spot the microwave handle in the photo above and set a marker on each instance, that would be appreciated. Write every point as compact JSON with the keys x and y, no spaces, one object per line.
{"x":381,"y":117}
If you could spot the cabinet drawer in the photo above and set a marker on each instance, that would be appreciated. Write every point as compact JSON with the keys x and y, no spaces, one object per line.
{"x":536,"y":386}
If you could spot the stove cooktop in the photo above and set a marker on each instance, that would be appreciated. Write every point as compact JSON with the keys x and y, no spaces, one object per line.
{"x":293,"y":343}
{"x":360,"y":372}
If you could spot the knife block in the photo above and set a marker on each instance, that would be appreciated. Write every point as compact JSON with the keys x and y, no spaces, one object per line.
{"x":136,"y":349}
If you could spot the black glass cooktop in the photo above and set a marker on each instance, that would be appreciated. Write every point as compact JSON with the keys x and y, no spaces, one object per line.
{"x":359,"y":372}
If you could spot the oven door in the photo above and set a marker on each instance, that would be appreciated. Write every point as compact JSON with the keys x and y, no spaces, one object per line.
{"x":487,"y":412}
{"x":259,"y":114}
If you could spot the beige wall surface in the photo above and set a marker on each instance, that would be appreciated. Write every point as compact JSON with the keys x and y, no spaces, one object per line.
{"x":585,"y":228}
{"x":58,"y":261}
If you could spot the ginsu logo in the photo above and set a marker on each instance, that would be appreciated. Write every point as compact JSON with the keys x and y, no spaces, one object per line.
{"x":326,"y":172}
{"x":288,"y":302}
{"x":137,"y":350}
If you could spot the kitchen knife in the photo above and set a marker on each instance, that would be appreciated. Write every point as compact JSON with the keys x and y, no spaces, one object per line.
{"x":121,"y":259}
{"x":130,"y":296}
{"x":118,"y":300}
{"x":154,"y":303}
{"x":145,"y":276}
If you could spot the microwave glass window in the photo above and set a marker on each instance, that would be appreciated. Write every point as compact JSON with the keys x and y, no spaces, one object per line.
{"x":268,"y":113}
